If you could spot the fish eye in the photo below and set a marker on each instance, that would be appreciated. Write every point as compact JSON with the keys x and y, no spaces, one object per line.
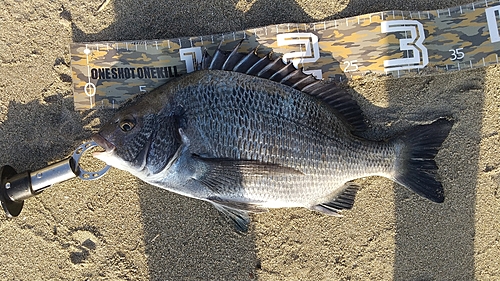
{"x":127,"y":125}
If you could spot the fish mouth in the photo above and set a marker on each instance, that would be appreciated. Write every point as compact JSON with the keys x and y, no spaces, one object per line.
{"x":102,"y":142}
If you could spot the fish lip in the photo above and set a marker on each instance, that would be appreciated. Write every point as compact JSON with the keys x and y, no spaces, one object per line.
{"x":102,"y":142}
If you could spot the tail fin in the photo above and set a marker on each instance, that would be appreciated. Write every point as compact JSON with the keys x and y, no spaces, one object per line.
{"x":416,"y":168}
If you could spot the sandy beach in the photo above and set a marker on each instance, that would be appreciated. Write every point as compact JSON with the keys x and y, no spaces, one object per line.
{"x":119,"y":228}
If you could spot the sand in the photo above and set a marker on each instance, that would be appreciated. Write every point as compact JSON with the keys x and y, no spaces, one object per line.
{"x":118,"y":228}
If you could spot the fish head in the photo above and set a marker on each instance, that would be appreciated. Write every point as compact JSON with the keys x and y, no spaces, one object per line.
{"x":126,"y":139}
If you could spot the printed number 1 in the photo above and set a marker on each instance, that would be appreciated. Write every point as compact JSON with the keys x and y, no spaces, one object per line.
{"x":190,"y":56}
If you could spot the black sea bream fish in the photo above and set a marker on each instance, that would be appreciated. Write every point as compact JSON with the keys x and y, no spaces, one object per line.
{"x":247,"y":133}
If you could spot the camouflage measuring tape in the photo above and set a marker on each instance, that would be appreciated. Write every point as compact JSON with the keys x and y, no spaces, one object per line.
{"x":391,"y":42}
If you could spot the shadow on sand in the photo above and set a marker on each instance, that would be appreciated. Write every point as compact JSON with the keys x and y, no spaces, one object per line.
{"x":185,"y":238}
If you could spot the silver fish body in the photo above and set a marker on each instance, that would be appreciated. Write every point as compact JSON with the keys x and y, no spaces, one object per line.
{"x":247,"y":143}
{"x":262,"y":121}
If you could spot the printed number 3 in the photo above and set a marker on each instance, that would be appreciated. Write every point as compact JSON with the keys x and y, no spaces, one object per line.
{"x":457,"y":54}
{"x":413,"y":44}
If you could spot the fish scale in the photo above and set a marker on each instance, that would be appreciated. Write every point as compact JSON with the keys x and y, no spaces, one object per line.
{"x":246,"y":143}
{"x":281,"y":136}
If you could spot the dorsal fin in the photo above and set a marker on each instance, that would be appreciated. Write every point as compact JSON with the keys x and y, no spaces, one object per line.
{"x":276,"y":70}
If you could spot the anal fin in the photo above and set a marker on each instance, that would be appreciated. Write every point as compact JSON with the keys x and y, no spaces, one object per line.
{"x":344,"y":201}
{"x":240,"y":218}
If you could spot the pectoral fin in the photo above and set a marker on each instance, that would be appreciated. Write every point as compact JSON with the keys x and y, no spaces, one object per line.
{"x":222,"y":175}
{"x":242,"y":206}
{"x":344,"y":201}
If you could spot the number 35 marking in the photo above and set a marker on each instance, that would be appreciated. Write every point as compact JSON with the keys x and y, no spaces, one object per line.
{"x":457,"y":54}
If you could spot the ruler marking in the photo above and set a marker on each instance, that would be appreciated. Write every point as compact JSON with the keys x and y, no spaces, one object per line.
{"x":87,"y":53}
{"x":101,"y":61}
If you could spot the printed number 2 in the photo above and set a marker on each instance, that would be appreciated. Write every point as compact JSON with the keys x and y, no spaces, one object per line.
{"x":419,"y":57}
{"x":310,"y":54}
{"x":457,"y":54}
